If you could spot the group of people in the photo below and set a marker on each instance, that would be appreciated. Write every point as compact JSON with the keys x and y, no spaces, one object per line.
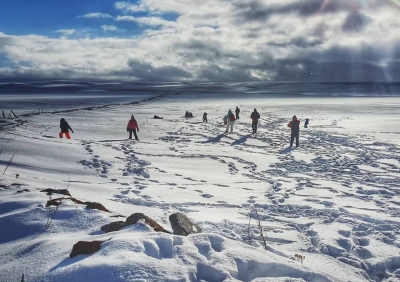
{"x":133,"y":127}
{"x":188,"y":114}
{"x":230,"y":118}
{"x":294,"y":124}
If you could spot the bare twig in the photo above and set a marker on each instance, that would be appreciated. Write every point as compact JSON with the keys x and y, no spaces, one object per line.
{"x":261,"y":230}
{"x":51,"y":217}
{"x":9,"y":162}
{"x":248,"y":231}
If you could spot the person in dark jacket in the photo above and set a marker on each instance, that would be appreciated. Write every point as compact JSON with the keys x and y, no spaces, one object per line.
{"x":64,"y":129}
{"x":237,"y":111}
{"x":205,"y":117}
{"x":255,"y":116}
{"x":295,"y":130}
{"x":132,"y":127}
{"x":306,"y":123}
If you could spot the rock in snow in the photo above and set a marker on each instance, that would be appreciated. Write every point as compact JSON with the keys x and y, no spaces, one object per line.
{"x":86,"y":248}
{"x":182,"y":225}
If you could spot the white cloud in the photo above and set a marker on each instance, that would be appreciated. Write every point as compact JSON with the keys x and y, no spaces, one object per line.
{"x":126,"y":18}
{"x":128,"y":7}
{"x":96,"y":16}
{"x":66,"y":32}
{"x":109,"y":28}
{"x":150,"y":21}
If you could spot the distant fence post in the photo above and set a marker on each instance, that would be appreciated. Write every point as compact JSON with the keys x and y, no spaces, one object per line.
{"x":14,"y":114}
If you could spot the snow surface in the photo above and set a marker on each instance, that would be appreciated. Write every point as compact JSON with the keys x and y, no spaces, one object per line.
{"x":334,"y":200}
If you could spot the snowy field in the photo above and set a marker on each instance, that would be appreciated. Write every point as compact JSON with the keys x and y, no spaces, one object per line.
{"x":334,"y":200}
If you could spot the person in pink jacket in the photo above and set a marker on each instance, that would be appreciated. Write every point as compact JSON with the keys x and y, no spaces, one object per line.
{"x":132,"y":126}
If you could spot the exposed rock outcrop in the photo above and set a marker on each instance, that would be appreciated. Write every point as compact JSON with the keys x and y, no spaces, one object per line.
{"x":182,"y":225}
{"x":86,"y":248}
{"x":89,"y":205}
{"x":50,"y":191}
{"x":113,"y":226}
{"x":133,"y":218}
{"x":95,"y":206}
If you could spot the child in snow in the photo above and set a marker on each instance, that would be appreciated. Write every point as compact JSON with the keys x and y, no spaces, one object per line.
{"x":230,"y":120}
{"x":131,"y":127}
{"x":295,"y":129}
{"x":64,"y":129}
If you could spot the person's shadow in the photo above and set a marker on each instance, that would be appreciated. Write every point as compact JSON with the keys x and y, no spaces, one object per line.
{"x":241,"y":140}
{"x":286,"y":150}
{"x":215,"y":139}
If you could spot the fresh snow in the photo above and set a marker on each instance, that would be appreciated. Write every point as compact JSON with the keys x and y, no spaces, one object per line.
{"x":334,"y":199}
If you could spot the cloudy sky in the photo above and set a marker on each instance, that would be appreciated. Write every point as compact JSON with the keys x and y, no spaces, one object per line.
{"x":200,"y":40}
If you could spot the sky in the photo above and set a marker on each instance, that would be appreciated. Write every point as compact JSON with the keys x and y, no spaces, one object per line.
{"x":201,"y":40}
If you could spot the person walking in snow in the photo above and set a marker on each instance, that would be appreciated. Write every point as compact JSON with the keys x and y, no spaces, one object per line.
{"x":132,"y":127}
{"x":295,"y":130}
{"x":205,"y":117}
{"x":230,"y":117}
{"x":237,"y":111}
{"x":255,"y":116}
{"x":306,"y":123}
{"x":65,"y":129}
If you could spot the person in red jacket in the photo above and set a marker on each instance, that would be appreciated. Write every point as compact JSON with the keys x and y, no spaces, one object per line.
{"x":132,"y":126}
{"x":295,"y":130}
{"x":64,"y":129}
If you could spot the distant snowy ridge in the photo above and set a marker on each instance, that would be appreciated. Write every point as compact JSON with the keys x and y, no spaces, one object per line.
{"x":270,"y":88}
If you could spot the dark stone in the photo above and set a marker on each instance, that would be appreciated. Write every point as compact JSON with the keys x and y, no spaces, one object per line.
{"x":89,"y":205}
{"x":113,"y":226}
{"x":56,"y":191}
{"x":134,"y":218}
{"x":85,"y":248}
{"x":22,"y":191}
{"x":54,"y":202}
{"x":96,"y":206}
{"x":182,"y":225}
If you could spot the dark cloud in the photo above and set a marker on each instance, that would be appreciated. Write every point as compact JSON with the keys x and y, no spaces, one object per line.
{"x":355,"y":22}
{"x":257,"y":10}
{"x":203,"y":50}
{"x":212,"y":72}
{"x":147,"y":71}
{"x":337,"y":64}
{"x":306,"y":42}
